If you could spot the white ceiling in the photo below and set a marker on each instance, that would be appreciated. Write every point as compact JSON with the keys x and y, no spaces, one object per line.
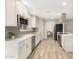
{"x":50,"y":8}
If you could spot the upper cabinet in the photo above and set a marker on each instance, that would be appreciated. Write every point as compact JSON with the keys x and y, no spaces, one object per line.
{"x":22,"y":9}
{"x":14,"y":7}
{"x":34,"y":21}
{"x":11,"y":16}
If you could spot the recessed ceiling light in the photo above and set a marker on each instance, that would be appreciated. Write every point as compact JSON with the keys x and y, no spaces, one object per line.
{"x":25,"y":3}
{"x":59,"y":14}
{"x":64,"y":3}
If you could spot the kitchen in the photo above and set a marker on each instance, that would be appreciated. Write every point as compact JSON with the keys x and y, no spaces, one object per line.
{"x":22,"y":38}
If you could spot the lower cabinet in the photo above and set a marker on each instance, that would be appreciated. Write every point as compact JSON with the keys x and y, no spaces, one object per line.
{"x":11,"y":51}
{"x":38,"y":38}
{"x":33,"y":42}
{"x":20,"y":50}
{"x":25,"y":48}
{"x":67,"y":42}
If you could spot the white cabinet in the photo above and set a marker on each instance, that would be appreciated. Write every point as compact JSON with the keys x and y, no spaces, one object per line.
{"x":25,"y":48}
{"x":11,"y":51}
{"x":22,"y":10}
{"x":67,"y":42}
{"x":12,"y":8}
{"x":11,"y":16}
{"x":19,"y":8}
{"x":18,"y":50}
{"x":38,"y":38}
{"x":33,"y":21}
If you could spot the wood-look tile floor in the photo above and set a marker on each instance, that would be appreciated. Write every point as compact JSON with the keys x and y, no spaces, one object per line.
{"x":49,"y":49}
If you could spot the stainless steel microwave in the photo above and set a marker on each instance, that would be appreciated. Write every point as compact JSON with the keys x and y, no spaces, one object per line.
{"x":22,"y":20}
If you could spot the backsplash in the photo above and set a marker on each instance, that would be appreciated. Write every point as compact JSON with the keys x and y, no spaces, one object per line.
{"x":15,"y":29}
{"x":11,"y":29}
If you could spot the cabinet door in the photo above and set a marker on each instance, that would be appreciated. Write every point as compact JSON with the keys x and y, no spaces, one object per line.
{"x":19,"y":8}
{"x":24,"y":48}
{"x":11,"y":51}
{"x":33,"y":21}
{"x":63,"y":43}
{"x":38,"y":38}
{"x":28,"y":47}
{"x":22,"y":9}
{"x":11,"y":16}
{"x":69,"y":44}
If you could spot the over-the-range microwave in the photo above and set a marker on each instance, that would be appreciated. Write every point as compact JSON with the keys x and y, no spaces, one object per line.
{"x":22,"y":20}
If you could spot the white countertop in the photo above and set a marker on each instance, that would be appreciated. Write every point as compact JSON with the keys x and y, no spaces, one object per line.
{"x":20,"y":38}
{"x":68,"y":34}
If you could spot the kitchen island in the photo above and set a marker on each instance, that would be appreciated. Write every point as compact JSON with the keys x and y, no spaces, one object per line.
{"x":65,"y":40}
